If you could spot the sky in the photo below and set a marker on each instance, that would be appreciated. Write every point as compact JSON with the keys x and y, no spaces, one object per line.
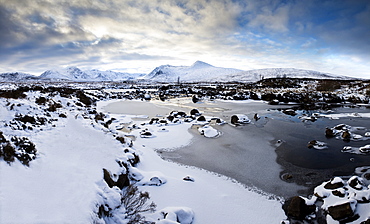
{"x":138,"y":35}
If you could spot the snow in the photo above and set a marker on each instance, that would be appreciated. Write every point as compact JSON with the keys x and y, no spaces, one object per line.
{"x":65,"y":182}
{"x":76,"y":74}
{"x":257,"y":74}
{"x":342,"y":115}
{"x":355,"y":195}
{"x":208,"y":131}
{"x":198,"y":72}
{"x":59,"y":186}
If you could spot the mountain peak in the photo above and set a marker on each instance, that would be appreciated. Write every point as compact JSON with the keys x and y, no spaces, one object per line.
{"x":201,"y":64}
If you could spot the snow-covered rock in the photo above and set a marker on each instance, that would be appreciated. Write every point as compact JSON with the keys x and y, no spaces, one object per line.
{"x":240,"y":119}
{"x":208,"y":131}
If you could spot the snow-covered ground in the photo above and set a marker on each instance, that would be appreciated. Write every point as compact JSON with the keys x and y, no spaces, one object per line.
{"x":63,"y":183}
{"x":81,"y":171}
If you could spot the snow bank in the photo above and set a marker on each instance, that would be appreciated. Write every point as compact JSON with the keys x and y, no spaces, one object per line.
{"x":59,"y":186}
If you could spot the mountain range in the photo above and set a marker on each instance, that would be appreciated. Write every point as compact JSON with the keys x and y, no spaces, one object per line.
{"x":197,"y":72}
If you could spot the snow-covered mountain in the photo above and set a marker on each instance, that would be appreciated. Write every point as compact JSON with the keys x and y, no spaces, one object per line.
{"x":198,"y":72}
{"x":258,"y":74}
{"x":78,"y":75}
{"x":203,"y":72}
{"x":15,"y":76}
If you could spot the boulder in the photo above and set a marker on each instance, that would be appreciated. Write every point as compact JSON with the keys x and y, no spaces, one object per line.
{"x":355,"y":182}
{"x":146,"y":134}
{"x":121,"y":182}
{"x":240,"y":119}
{"x":194,"y":99}
{"x":334,"y":183}
{"x":297,"y":208}
{"x":194,"y":112}
{"x":341,"y":212}
{"x":201,"y":118}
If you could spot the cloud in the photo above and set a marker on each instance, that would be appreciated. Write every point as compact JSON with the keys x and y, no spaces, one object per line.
{"x":236,"y":32}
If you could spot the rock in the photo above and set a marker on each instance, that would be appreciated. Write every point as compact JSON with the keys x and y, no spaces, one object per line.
{"x":234,"y":119}
{"x":340,"y":127}
{"x":366,"y":222}
{"x":62,"y":115}
{"x":367,"y":176}
{"x":146,"y":134}
{"x":274,"y":102}
{"x":256,"y":117}
{"x":120,"y":183}
{"x":311,"y":143}
{"x":316,"y":144}
{"x":147,"y":97}
{"x":329,"y":133}
{"x":195,"y":112}
{"x":365,"y":149}
{"x":154,"y":120}
{"x":171,"y":118}
{"x":155,"y":181}
{"x":338,"y":193}
{"x":240,"y":119}
{"x":334,"y":183}
{"x":287,"y":176}
{"x":355,"y":182}
{"x":290,"y":112}
{"x":346,"y":148}
{"x":195,"y":99}
{"x":341,"y":212}
{"x":183,"y":215}
{"x":346,"y":135}
{"x":189,"y":178}
{"x":201,"y":118}
{"x":208,"y":131}
{"x":297,"y":208}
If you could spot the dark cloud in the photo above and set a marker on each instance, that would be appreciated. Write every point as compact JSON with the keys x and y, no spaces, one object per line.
{"x":109,"y":31}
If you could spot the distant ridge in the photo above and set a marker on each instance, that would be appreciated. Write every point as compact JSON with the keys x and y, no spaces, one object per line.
{"x":258,"y":74}
{"x":197,"y":72}
{"x":204,"y":72}
{"x":77,"y":75}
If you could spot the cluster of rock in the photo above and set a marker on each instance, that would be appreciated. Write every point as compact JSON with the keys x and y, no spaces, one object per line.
{"x":203,"y":123}
{"x":343,"y":201}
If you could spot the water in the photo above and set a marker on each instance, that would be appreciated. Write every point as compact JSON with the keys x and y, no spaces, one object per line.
{"x":252,"y":155}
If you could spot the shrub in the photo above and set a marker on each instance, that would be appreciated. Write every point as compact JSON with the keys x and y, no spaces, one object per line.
{"x":136,"y":202}
{"x":41,"y":100}
{"x":19,"y":147}
{"x":8,"y":152}
{"x":13,"y":94}
{"x":328,"y":85}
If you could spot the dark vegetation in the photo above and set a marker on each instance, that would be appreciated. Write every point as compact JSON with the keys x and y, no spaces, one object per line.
{"x":134,"y":201}
{"x":18,"y":147}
